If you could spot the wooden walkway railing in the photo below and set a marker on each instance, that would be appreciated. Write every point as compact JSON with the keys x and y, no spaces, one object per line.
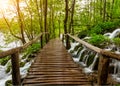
{"x":55,"y":67}
{"x":103,"y":62}
{"x":16,"y":80}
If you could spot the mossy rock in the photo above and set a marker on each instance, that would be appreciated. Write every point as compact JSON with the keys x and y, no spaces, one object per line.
{"x":90,"y":59}
{"x":76,"y":47}
{"x":8,"y":83}
{"x":32,"y":55}
{"x":9,"y":67}
{"x":79,"y":49}
{"x":28,"y":59}
{"x":4,"y":60}
{"x":82,"y":56}
{"x":25,"y":55}
{"x":96,"y":64}
{"x":117,"y":85}
{"x":71,"y":51}
{"x":22,"y":64}
{"x":111,"y":69}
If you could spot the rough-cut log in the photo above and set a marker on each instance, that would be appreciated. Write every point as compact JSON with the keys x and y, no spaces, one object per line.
{"x":31,"y":42}
{"x":16,"y":80}
{"x":103,"y":70}
{"x":110,"y":54}
{"x":9,"y":52}
{"x":96,"y":49}
{"x":14,"y":50}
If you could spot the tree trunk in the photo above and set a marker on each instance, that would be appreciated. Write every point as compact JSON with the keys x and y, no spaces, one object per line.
{"x":112,"y":8}
{"x":104,"y":10}
{"x":45,"y":19}
{"x":20,"y":22}
{"x":72,"y":15}
{"x":66,"y":24}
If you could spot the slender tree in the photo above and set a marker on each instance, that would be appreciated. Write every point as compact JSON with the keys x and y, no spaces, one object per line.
{"x":20,"y":21}
{"x":45,"y":19}
{"x":104,"y":10}
{"x":72,"y":15}
{"x":66,"y":24}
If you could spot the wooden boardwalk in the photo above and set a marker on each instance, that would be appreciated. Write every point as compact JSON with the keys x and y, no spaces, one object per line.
{"x":54,"y":66}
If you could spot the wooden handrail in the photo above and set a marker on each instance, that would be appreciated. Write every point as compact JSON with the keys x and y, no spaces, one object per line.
{"x":103,"y":62}
{"x":15,"y":58}
{"x":14,"y":50}
{"x":96,"y":49}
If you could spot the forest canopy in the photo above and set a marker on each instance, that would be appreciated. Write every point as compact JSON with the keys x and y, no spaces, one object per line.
{"x":27,"y":18}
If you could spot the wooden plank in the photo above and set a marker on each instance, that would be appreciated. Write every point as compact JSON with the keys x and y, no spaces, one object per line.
{"x":54,"y":66}
{"x":57,"y":84}
{"x":54,"y":73}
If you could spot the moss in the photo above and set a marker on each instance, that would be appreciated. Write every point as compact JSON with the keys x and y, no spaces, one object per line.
{"x":22,"y":64}
{"x":76,"y":47}
{"x":25,"y":55}
{"x":82,"y":56}
{"x":9,"y":66}
{"x":8,"y":83}
{"x":28,"y":59}
{"x":79,"y":50}
{"x":99,"y":40}
{"x":116,"y":41}
{"x":4,"y":60}
{"x":71,"y":51}
{"x":83,"y":34}
{"x":90,"y":59}
{"x":117,"y":85}
{"x":96,"y":64}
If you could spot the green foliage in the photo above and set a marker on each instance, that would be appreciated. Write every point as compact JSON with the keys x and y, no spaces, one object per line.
{"x":9,"y":66}
{"x":104,"y":27}
{"x":98,"y":40}
{"x":83,"y":34}
{"x":4,"y":60}
{"x":116,"y":41}
{"x":117,"y":85}
{"x":8,"y":83}
{"x":33,"y":48}
{"x":22,"y":64}
{"x":90,"y":59}
{"x":82,"y":56}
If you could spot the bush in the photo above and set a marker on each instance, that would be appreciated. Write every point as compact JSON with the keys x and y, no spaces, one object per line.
{"x":104,"y":27}
{"x":34,"y":48}
{"x":99,"y":40}
{"x":116,"y":41}
{"x":83,"y":34}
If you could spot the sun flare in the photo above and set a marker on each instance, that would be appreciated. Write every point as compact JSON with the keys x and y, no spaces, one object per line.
{"x":4,"y":4}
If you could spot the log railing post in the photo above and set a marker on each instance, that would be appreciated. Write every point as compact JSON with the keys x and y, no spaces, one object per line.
{"x":41,"y":41}
{"x":67,"y":42}
{"x":103,"y":70}
{"x":16,"y":80}
{"x":63,"y":37}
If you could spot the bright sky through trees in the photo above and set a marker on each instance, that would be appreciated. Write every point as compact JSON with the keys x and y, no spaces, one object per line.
{"x":4,"y":4}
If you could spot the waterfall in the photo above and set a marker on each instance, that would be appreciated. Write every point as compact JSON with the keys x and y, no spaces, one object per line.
{"x":93,"y":64}
{"x":79,"y":55}
{"x":114,"y":33}
{"x":73,"y":45}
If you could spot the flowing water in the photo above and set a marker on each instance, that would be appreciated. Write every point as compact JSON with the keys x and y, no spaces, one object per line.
{"x":111,"y":47}
{"x":23,"y":70}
